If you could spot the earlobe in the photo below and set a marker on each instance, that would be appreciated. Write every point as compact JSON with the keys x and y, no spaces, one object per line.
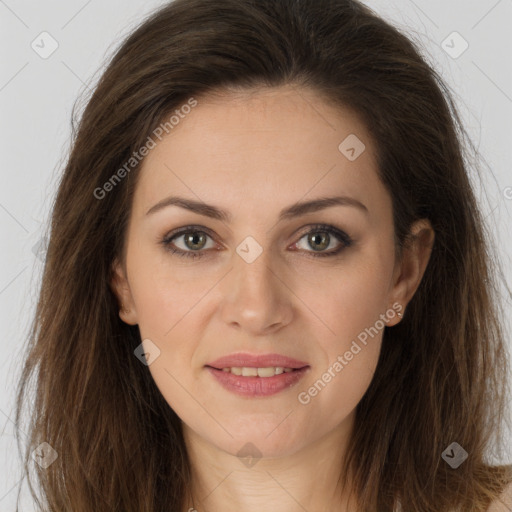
{"x":120,"y":286}
{"x":395,"y":314}
{"x":127,"y":315}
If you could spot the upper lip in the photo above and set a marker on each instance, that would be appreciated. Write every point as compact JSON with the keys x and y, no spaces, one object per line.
{"x":256,"y":361}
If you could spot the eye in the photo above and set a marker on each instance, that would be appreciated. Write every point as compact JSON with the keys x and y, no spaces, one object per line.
{"x":319,"y":238}
{"x":195,"y":238}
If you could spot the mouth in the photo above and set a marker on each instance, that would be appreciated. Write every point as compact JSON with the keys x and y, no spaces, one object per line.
{"x":249,"y":362}
{"x":257,"y":375}
{"x":250,"y":371}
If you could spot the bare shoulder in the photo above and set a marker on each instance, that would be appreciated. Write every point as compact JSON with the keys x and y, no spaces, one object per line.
{"x":504,"y":502}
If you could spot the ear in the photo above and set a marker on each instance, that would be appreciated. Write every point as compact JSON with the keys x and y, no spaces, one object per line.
{"x":409,"y":270}
{"x":121,"y":288}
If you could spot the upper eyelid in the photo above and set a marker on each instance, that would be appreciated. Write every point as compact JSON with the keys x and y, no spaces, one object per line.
{"x":187,"y":229}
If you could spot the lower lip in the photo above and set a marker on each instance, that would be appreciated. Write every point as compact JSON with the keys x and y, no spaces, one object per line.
{"x":257,"y":386}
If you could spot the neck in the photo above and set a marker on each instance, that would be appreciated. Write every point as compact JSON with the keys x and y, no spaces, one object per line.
{"x":307,"y":479}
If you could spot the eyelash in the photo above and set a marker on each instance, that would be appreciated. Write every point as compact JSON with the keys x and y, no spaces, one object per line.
{"x":345,"y":240}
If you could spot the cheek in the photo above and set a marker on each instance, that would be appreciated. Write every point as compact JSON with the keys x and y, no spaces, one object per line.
{"x":354,"y":307}
{"x":167,"y":303}
{"x":354,"y":312}
{"x":335,"y":391}
{"x":169,"y":315}
{"x":164,"y":291}
{"x":347,"y":299}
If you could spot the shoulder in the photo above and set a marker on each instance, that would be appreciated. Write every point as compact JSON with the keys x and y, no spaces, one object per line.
{"x":504,"y":502}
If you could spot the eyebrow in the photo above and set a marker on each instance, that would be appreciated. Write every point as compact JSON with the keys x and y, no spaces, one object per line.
{"x":295,"y":210}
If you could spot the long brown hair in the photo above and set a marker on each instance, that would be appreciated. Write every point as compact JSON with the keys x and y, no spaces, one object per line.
{"x":442,"y":374}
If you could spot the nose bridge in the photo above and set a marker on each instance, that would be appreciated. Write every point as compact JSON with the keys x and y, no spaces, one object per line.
{"x":255,"y":275}
{"x":255,"y":297}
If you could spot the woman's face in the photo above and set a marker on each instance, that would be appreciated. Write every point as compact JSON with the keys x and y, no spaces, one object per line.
{"x":255,"y":286}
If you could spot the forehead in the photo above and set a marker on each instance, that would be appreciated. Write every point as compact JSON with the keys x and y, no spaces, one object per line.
{"x":260,"y":148}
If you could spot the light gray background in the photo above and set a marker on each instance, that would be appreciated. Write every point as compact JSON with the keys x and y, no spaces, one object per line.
{"x":36,"y":97}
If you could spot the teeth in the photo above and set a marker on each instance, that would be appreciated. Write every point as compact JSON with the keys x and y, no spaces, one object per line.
{"x":257,"y":372}
{"x":249,"y":372}
{"x":266,"y":372}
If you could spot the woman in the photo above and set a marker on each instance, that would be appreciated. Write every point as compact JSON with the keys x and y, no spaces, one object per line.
{"x":268,"y":284}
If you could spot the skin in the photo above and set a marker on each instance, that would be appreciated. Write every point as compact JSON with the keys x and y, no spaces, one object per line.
{"x":253,"y":154}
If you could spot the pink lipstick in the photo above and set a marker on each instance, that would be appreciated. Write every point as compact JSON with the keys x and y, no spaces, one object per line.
{"x":257,"y":375}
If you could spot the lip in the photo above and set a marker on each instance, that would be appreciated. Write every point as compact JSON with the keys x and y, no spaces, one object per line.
{"x":257,"y":386}
{"x":256,"y":361}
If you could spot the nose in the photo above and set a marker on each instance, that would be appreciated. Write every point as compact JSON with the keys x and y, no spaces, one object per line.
{"x":256,"y":298}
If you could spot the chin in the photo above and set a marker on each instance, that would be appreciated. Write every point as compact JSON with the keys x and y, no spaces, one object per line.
{"x":267,"y":436}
